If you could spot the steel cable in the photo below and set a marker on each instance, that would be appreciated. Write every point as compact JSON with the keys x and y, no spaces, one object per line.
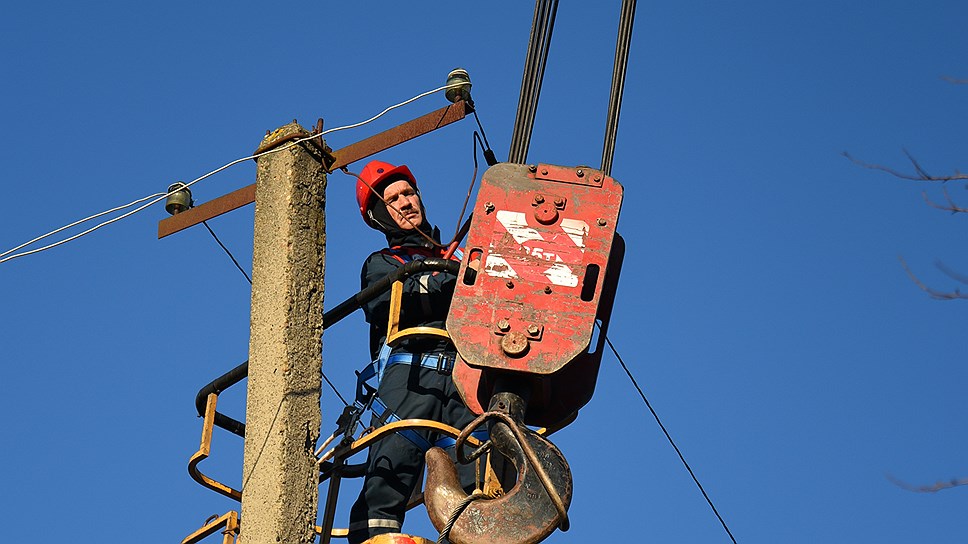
{"x":622,"y":45}
{"x":669,"y":438}
{"x":542,"y":27}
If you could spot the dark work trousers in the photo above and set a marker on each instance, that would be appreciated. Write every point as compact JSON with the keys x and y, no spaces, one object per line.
{"x":395,"y":464}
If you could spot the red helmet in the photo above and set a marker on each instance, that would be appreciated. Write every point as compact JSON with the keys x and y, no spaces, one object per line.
{"x":376,"y":174}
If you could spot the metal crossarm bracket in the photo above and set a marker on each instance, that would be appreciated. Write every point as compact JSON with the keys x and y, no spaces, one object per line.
{"x":342,"y":157}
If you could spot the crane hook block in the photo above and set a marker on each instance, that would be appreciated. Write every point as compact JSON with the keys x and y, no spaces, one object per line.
{"x":549,"y":257}
{"x":526,"y":514}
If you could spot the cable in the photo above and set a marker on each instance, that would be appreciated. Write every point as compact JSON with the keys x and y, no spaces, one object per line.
{"x":161,"y":196}
{"x":333,"y":387}
{"x":542,"y":27}
{"x":622,"y":45}
{"x":78,"y":222}
{"x":470,"y":189}
{"x":669,"y":438}
{"x":237,"y":265}
{"x":227,"y":252}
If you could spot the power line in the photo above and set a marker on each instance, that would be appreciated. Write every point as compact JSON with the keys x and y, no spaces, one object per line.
{"x":227,"y":252}
{"x":249,"y":279}
{"x":669,"y":438}
{"x":157,"y":197}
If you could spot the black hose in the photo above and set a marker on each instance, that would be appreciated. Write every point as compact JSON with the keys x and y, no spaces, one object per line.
{"x":331,"y":317}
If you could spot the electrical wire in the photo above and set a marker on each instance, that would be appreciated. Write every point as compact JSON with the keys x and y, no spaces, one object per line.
{"x":227,"y":252}
{"x":237,"y":265}
{"x":162,"y":196}
{"x":669,"y":438}
{"x":78,"y":222}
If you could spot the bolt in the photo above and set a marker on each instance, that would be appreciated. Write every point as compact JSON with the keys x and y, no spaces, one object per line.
{"x":559,"y":202}
{"x":503,"y":325}
{"x":514,"y":344}
{"x":488,"y":207}
{"x":295,"y":122}
{"x":533,"y":330}
{"x":602,"y":222}
{"x":538,"y":198}
{"x":532,"y":168}
{"x":268,"y":132}
{"x":510,"y":284}
{"x":580,"y":172}
{"x":548,"y":290}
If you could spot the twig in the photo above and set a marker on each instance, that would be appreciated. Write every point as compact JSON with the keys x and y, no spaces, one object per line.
{"x":922,"y":175}
{"x":938,"y":486}
{"x":935,"y":294}
{"x":950,"y":207}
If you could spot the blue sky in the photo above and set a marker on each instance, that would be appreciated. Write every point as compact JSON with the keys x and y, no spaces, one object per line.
{"x":762,"y":306}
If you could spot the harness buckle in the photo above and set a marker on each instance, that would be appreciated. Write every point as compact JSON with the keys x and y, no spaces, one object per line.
{"x":445,"y":362}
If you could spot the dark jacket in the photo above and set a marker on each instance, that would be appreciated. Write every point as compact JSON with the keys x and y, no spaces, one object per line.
{"x":426,"y":298}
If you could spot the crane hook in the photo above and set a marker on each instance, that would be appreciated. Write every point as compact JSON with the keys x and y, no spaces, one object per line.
{"x":527,"y":513}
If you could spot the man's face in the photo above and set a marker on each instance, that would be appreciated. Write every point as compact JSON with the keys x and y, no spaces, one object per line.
{"x":403,"y":203}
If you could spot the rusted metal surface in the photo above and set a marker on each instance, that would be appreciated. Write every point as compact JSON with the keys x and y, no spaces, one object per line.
{"x":550,"y":264}
{"x":401,"y":133}
{"x":527,"y":513}
{"x":228,"y":522}
{"x":205,"y":449}
{"x":337,"y":159}
{"x":203,"y":212}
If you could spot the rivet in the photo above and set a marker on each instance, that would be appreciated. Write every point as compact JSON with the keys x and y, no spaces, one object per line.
{"x":539,"y":199}
{"x":580,"y":172}
{"x":602,"y":222}
{"x":548,"y":290}
{"x":510,"y":284}
{"x":544,"y":171}
{"x":532,"y":168}
{"x":488,"y":207}
{"x":503,"y":325}
{"x":598,"y":177}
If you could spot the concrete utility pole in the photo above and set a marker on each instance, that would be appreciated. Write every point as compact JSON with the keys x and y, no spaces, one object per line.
{"x":280,"y":492}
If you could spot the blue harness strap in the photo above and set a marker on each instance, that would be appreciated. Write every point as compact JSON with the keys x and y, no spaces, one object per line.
{"x":441,"y":362}
{"x":366,"y":396}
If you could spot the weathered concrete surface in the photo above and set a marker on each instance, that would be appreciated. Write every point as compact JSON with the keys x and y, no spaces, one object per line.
{"x":280,"y":493}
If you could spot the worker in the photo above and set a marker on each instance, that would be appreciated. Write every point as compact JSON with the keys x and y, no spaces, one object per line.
{"x":416,"y":381}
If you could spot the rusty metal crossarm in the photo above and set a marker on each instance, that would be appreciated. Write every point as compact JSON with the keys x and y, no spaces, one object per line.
{"x":345,"y":156}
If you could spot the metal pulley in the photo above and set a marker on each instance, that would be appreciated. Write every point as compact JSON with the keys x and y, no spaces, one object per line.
{"x":550,"y":259}
{"x":524,"y":326}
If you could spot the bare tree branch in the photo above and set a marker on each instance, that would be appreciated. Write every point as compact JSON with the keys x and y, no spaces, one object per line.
{"x":921,"y":175}
{"x":950,"y":207}
{"x":935,"y":294}
{"x":938,"y":486}
{"x":951,"y":273}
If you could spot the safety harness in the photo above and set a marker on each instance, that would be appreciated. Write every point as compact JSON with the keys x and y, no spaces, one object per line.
{"x":368,"y":380}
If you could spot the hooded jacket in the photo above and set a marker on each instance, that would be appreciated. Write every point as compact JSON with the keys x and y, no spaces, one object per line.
{"x":426,"y":297}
